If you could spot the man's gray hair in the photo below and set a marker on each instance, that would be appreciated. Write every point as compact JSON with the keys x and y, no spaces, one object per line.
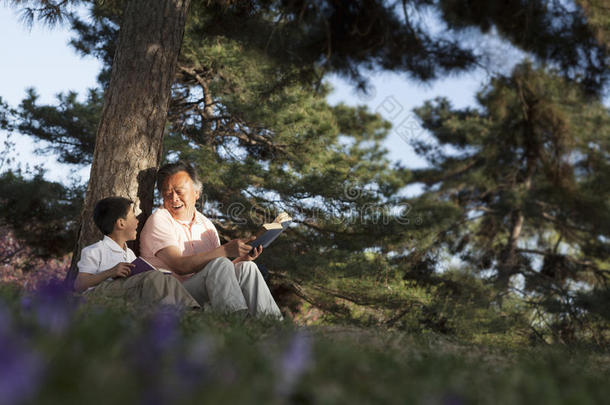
{"x":170,"y":169}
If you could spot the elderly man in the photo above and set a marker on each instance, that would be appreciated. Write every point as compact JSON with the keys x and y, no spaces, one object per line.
{"x":178,"y":238}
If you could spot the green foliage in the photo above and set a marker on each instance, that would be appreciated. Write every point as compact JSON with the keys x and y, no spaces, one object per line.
{"x":47,"y":12}
{"x":337,"y":37}
{"x":597,"y":15}
{"x":556,"y":32}
{"x":43,"y":214}
{"x":58,"y":125}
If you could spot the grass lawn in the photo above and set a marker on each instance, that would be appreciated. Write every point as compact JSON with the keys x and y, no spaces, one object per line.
{"x":59,"y":350}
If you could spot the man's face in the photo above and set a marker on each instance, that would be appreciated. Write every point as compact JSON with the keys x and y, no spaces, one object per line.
{"x":180,"y":196}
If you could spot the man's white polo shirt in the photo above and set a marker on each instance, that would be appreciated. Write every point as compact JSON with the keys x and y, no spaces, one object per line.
{"x":103,"y":255}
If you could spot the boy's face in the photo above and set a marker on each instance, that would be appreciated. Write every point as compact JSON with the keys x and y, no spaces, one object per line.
{"x":131,"y":223}
{"x":180,"y":196}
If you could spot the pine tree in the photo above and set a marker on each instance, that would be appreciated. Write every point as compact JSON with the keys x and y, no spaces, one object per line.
{"x":527,"y":176}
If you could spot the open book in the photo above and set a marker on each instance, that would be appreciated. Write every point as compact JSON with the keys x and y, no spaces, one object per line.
{"x":269,"y":232}
{"x":142,"y":266}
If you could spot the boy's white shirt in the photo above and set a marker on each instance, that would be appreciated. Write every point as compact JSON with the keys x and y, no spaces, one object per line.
{"x":103,"y":255}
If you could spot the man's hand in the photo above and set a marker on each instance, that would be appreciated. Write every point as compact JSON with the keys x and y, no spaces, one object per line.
{"x":121,"y":270}
{"x":249,"y":257}
{"x":238,"y":247}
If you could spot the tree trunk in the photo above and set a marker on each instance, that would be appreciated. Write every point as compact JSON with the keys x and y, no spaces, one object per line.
{"x":129,"y":140}
{"x":508,"y":259}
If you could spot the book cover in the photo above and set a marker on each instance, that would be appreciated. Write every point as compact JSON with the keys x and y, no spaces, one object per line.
{"x":141,"y":266}
{"x":269,"y":232}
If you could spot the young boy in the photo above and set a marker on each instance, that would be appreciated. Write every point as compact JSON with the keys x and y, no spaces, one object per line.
{"x":104,"y":267}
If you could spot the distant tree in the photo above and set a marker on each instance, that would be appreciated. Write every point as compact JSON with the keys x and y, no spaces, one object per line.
{"x":41,"y":213}
{"x":597,"y":13}
{"x":527,"y":177}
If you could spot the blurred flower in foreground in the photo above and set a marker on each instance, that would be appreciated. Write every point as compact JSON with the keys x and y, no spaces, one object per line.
{"x":163,"y":333}
{"x":151,"y":355}
{"x":160,"y":336}
{"x":5,"y":320}
{"x":294,"y":362}
{"x":193,"y":366}
{"x":453,"y":399}
{"x":20,"y":367}
{"x":52,"y":305}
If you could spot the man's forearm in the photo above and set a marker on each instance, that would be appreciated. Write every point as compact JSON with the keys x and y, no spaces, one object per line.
{"x":191,"y":264}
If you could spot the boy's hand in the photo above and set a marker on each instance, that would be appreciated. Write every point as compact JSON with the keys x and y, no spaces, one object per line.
{"x":121,"y":270}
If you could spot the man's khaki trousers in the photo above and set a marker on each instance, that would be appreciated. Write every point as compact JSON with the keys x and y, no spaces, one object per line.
{"x":229,"y":287}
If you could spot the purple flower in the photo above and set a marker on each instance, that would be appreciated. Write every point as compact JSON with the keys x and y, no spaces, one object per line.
{"x":161,"y":335}
{"x":52,"y":305}
{"x":294,"y":362}
{"x":164,"y":329}
{"x":21,"y":367}
{"x":53,"y":290}
{"x":26,"y":302}
{"x":155,"y":352}
{"x":5,"y":321}
{"x":193,"y":366}
{"x":452,"y":399}
{"x":20,"y":370}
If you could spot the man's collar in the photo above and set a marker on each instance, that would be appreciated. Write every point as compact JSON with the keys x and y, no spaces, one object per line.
{"x":198,"y":219}
{"x":112,"y":244}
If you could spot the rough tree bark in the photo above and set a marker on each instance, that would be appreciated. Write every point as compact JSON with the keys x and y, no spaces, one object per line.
{"x":129,"y":140}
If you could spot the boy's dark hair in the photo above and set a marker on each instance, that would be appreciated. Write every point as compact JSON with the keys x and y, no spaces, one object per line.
{"x":108,"y":210}
{"x":170,"y":169}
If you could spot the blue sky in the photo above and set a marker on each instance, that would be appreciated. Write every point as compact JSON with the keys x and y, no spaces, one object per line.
{"x":41,"y":58}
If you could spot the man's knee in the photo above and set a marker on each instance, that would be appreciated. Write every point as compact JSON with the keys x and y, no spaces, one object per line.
{"x":246,"y":269}
{"x":220,"y":262}
{"x":221,"y":267}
